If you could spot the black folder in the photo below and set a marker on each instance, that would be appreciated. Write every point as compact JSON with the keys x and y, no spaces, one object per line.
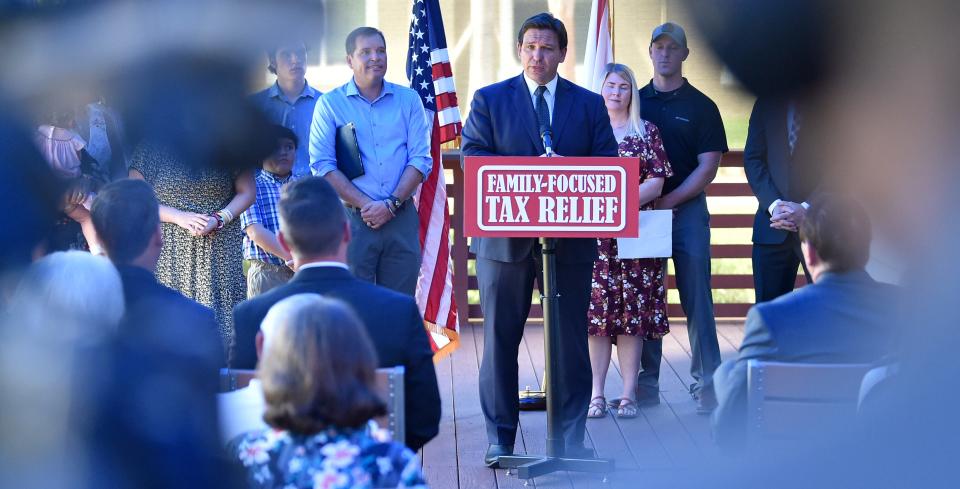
{"x":348,"y":151}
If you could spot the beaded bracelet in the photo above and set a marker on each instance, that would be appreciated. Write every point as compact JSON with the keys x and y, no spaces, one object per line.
{"x":219,"y":218}
{"x":226,"y":215}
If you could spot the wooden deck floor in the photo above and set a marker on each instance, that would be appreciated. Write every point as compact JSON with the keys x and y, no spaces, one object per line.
{"x":657,"y":449}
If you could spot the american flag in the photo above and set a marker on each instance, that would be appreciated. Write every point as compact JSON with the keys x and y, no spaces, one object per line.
{"x":599,"y":44}
{"x":428,"y":69}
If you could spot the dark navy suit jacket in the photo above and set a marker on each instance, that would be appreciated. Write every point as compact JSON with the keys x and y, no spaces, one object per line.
{"x":774,"y":173}
{"x":392,"y":320}
{"x":842,"y":318}
{"x":156,"y":396}
{"x":502,"y":122}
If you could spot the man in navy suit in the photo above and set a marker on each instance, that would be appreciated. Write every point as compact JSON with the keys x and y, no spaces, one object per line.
{"x":164,"y":363}
{"x":314,"y":229}
{"x":843,"y":317}
{"x":126,"y":215}
{"x":782,"y":188}
{"x":507,"y":119}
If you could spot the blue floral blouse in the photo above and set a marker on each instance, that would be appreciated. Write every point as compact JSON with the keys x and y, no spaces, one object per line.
{"x":329,"y":459}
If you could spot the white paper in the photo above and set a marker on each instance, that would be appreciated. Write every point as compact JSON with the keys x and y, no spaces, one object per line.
{"x":655,"y":238}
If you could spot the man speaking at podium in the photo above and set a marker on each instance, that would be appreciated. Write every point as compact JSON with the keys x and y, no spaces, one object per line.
{"x":511,"y":118}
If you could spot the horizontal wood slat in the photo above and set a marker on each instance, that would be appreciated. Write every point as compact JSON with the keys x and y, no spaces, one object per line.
{"x":729,"y":190}
{"x":716,"y":251}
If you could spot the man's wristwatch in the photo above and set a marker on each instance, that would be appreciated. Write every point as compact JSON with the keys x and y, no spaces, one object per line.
{"x":396,"y":203}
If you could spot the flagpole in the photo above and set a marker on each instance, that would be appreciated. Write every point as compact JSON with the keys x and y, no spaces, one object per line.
{"x":613,"y":41}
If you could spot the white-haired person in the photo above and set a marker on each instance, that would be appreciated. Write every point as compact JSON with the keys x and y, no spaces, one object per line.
{"x":64,"y":310}
{"x":71,"y":296}
{"x":628,"y":302}
{"x":317,"y":374}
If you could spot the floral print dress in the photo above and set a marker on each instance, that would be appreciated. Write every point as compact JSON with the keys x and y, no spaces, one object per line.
{"x":629,"y":297}
{"x":326,"y":460}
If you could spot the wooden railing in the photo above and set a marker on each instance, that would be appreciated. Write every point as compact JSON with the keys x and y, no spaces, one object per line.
{"x":464,"y":281}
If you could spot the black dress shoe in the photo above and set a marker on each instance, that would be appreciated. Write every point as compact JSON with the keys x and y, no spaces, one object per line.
{"x":647,"y":398}
{"x":494,"y":452}
{"x":580,"y":452}
{"x":706,"y":401}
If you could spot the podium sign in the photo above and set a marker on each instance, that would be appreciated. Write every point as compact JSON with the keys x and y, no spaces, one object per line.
{"x":568,"y":197}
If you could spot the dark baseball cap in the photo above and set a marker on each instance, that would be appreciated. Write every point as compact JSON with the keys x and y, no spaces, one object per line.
{"x":671,"y":30}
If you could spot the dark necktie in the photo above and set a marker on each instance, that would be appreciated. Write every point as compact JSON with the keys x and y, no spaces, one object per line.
{"x":543,"y":112}
{"x":793,"y":130}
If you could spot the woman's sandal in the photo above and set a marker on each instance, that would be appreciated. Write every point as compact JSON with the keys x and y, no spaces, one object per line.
{"x":626,"y":408}
{"x":597,"y":408}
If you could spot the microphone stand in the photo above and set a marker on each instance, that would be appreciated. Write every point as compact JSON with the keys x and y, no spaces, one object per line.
{"x":530,"y":466}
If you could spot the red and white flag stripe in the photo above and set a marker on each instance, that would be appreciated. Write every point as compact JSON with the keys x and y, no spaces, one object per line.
{"x":599,"y":45}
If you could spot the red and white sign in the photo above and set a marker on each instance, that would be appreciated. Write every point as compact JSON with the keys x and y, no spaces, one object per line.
{"x":572,"y":197}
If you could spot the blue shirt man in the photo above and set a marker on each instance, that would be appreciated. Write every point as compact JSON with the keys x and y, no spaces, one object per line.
{"x":290,"y":101}
{"x":394,"y":139}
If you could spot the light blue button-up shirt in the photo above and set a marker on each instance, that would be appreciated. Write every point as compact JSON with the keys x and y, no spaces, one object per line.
{"x":392,"y":132}
{"x":296,"y":116}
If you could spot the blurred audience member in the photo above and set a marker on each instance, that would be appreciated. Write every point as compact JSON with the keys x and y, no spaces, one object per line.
{"x":782,"y":186}
{"x":318,"y":372}
{"x":69,"y":289}
{"x":202,"y":253}
{"x":127,"y":217}
{"x":30,"y":186}
{"x":64,"y":311}
{"x":290,"y":101}
{"x":314,"y":229}
{"x":100,"y":127}
{"x":156,"y":396}
{"x":267,"y":263}
{"x":65,"y":152}
{"x":694,"y":138}
{"x":393,"y":138}
{"x":843,"y":317}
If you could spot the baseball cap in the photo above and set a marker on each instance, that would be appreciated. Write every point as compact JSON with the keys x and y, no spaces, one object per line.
{"x":672,"y":30}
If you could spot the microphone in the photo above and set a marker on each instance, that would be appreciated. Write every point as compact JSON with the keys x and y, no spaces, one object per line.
{"x":547,"y":136}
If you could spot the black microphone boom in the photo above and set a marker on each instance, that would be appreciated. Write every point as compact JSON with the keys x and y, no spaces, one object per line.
{"x":547,"y":136}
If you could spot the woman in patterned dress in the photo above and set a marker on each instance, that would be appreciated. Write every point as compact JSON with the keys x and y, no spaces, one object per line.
{"x":202,"y":254}
{"x":317,"y":375}
{"x":629,"y":298}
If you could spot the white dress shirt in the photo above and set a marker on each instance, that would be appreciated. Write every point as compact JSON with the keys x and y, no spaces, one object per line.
{"x":549,"y":95}
{"x":241,"y":411}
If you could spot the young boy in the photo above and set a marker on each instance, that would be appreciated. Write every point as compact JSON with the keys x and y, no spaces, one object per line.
{"x":265,"y":260}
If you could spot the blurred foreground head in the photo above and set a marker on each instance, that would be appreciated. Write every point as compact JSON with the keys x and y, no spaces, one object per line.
{"x":318,"y":366}
{"x":880,"y":79}
{"x":71,"y":295}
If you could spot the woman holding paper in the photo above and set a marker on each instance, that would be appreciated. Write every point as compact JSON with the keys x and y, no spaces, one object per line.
{"x":629,"y":298}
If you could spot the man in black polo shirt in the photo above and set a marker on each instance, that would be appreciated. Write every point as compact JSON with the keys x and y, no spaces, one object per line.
{"x":694,"y":139}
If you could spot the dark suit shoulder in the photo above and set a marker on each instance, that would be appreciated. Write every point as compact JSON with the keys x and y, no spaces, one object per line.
{"x":579,"y":91}
{"x":498,"y":87}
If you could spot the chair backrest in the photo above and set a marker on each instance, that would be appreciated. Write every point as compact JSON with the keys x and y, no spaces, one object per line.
{"x":232,"y":379}
{"x":389,"y":386}
{"x":792,"y":401}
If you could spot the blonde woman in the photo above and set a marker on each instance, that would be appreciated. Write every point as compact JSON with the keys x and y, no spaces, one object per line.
{"x":628,"y":302}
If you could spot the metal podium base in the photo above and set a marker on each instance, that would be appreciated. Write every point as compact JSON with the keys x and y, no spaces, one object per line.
{"x":530,"y":466}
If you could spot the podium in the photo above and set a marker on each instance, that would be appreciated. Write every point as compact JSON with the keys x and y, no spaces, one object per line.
{"x":550,"y":199}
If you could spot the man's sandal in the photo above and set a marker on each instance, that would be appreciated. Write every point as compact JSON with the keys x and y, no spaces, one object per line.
{"x":597,"y":408}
